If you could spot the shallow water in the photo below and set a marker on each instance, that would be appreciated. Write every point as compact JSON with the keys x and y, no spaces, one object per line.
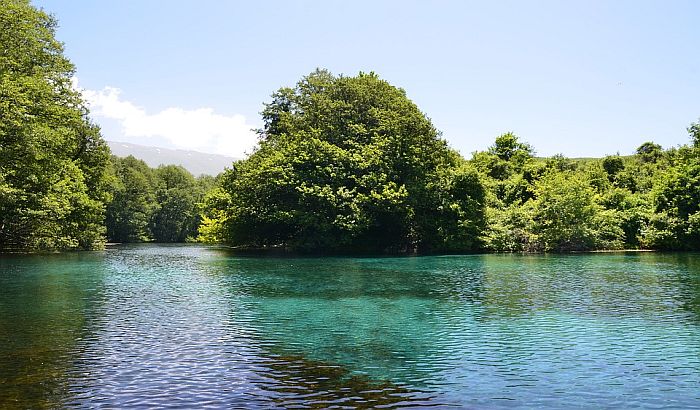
{"x":186,"y":326}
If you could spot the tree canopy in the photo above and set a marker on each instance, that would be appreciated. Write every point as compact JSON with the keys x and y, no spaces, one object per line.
{"x":343,"y":164}
{"x":52,"y":158}
{"x":161,"y":204}
{"x":648,"y":200}
{"x":350,"y":163}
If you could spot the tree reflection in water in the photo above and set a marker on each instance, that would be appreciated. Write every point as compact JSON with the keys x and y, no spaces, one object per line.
{"x":297,"y":381}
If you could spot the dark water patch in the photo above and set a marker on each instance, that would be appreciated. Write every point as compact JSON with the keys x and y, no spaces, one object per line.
{"x":295,"y":381}
{"x":42,"y":317}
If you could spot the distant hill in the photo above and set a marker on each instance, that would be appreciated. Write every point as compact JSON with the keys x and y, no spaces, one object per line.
{"x":196,"y":162}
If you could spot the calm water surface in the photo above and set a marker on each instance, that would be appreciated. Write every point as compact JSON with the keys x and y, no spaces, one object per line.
{"x":193,"y":326}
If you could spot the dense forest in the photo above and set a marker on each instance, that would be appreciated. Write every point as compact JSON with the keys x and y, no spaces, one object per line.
{"x":351,"y":164}
{"x":343,"y":164}
{"x":148,"y":204}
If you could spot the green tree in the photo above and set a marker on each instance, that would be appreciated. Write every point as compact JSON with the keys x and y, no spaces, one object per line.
{"x":676,"y":203}
{"x":53,"y":161}
{"x":567,"y":216}
{"x":613,"y":165}
{"x":346,"y":163}
{"x":177,"y":194}
{"x":631,"y":211}
{"x":509,"y":148}
{"x":649,"y":152}
{"x":460,"y":197}
{"x":134,"y":203}
{"x":509,"y":169}
{"x":694,"y":131}
{"x":511,"y":229}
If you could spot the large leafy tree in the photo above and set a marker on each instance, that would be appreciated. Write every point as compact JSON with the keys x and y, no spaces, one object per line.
{"x":349,"y":163}
{"x":52,"y":159}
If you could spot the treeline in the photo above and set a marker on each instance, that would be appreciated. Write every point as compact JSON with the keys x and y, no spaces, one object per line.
{"x":349,"y":164}
{"x":343,"y":164}
{"x":148,"y":204}
{"x":59,"y":188}
{"x":648,"y":200}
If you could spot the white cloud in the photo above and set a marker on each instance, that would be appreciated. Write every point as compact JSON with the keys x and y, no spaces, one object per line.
{"x":200,"y":129}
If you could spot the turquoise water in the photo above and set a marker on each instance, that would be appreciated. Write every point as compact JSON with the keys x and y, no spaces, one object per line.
{"x":193,"y":326}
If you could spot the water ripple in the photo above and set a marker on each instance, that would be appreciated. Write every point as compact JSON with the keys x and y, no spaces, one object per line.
{"x":192,"y":326}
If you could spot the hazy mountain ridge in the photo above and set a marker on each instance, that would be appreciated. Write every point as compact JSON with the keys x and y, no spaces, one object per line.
{"x":196,"y":162}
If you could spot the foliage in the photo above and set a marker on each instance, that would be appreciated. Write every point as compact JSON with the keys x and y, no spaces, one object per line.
{"x":676,"y":203}
{"x":176,"y":218}
{"x":649,"y":200}
{"x":613,"y":165}
{"x":561,"y":212}
{"x":650,"y":152}
{"x":343,"y":164}
{"x":133,"y":204}
{"x":511,"y":229}
{"x":694,"y":131}
{"x":213,"y":215}
{"x":53,"y":162}
{"x":159,"y":204}
{"x":510,"y":149}
{"x":350,"y":163}
{"x":568,"y":218}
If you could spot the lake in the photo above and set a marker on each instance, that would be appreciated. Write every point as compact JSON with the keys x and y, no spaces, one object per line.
{"x":197,"y":326}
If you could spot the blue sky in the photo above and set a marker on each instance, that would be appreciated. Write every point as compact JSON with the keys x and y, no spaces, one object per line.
{"x":584,"y":78}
